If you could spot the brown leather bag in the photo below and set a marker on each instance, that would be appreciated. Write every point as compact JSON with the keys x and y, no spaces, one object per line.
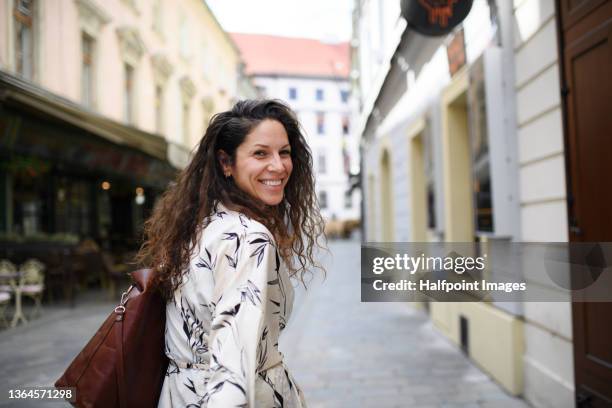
{"x":124,"y":365}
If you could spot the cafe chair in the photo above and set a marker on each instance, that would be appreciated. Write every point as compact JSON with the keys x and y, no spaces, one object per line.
{"x":5,"y":299}
{"x":32,"y":282}
{"x":8,"y":273}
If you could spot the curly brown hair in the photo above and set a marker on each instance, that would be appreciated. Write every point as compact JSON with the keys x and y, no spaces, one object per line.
{"x":173,"y":229}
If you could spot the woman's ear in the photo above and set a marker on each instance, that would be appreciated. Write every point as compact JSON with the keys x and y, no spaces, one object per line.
{"x":225,"y":162}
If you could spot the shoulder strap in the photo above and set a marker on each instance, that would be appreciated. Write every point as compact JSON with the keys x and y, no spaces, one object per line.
{"x":120,"y":367}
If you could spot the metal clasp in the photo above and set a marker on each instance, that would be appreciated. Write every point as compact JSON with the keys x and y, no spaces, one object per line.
{"x":120,"y":309}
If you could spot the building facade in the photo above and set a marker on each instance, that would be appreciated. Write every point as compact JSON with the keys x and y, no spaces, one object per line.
{"x":481,"y":135}
{"x":102,"y":102}
{"x":312,"y":77}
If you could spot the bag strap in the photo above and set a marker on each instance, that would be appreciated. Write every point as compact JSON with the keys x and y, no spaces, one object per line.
{"x":119,"y":315}
{"x":120,"y":368}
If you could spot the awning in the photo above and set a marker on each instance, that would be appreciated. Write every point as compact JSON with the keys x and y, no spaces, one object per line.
{"x":37,"y":123}
{"x":17,"y":92}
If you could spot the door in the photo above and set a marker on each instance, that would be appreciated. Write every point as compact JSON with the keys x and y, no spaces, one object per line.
{"x":586,"y":55}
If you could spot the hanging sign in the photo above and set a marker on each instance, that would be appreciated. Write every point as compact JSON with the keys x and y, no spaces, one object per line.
{"x":435,"y":17}
{"x":455,"y":50}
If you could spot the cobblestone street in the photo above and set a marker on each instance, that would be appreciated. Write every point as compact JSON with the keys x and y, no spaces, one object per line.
{"x":342,"y":352}
{"x":345,"y":353}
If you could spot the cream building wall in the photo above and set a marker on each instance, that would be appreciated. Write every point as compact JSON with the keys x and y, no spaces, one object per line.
{"x":548,"y":359}
{"x":177,"y":44}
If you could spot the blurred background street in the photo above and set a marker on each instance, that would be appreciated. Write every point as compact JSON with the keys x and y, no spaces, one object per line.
{"x":468,"y":121}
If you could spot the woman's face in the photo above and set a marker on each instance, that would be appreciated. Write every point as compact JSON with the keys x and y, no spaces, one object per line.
{"x":263,"y":162}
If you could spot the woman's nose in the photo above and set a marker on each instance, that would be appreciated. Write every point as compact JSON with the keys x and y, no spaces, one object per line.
{"x":276,"y":163}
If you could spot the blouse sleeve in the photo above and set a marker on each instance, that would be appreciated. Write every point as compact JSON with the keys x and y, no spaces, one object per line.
{"x":238,"y":321}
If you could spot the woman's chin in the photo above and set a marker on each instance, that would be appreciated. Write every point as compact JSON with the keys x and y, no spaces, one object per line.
{"x":272,"y":199}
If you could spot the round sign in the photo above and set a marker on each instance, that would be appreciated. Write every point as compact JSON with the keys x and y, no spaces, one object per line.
{"x":435,"y":17}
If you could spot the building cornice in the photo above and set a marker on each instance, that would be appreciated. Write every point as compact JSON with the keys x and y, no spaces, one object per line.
{"x":91,"y":17}
{"x":188,"y":88}
{"x":131,"y":45}
{"x":162,"y":68}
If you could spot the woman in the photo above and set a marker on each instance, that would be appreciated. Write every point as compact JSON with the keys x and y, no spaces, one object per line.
{"x":240,"y":220}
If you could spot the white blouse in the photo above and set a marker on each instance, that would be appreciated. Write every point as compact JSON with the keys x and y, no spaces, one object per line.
{"x":222,"y":325}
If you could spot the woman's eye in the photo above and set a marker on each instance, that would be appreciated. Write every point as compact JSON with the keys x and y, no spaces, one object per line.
{"x":260,"y":153}
{"x":286,"y":152}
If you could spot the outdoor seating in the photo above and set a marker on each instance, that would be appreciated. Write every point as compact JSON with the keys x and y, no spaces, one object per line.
{"x":9,"y":276}
{"x":5,"y":299}
{"x":32,"y":283}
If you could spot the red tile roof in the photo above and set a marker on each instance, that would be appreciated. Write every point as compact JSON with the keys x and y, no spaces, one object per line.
{"x":267,"y":54}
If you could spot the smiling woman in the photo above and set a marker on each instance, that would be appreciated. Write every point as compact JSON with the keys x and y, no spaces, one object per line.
{"x":263,"y":162}
{"x":224,"y":240}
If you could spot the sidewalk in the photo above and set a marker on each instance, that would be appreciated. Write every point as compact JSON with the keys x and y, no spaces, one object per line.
{"x":345,"y":353}
{"x":37,"y":353}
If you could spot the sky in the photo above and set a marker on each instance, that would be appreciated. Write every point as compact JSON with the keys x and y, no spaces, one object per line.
{"x":327,"y":20}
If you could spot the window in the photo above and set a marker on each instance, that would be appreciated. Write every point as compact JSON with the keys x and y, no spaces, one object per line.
{"x":346,"y":159}
{"x":345,"y":125}
{"x":128,"y":94}
{"x":185,"y":124}
{"x":87,"y":72}
{"x":322,"y":162}
{"x":348,"y":201}
{"x":292,"y":94}
{"x":344,"y":95}
{"x":431,"y":206}
{"x":481,"y":168}
{"x":24,"y":38}
{"x":261,"y":91}
{"x":323,"y":199}
{"x":319,"y":94}
{"x":159,"y":110}
{"x":208,"y":107}
{"x":206,"y":57}
{"x":320,"y":123}
{"x":429,"y":177}
{"x":184,"y":38}
{"x":157,"y":17}
{"x":73,"y":206}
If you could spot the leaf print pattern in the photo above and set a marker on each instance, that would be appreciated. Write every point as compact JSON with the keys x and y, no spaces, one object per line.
{"x":207,"y":262}
{"x":194,"y":330}
{"x":219,"y":215}
{"x":223,"y":326}
{"x":232,"y":260}
{"x":243,"y":220}
{"x":227,"y":321}
{"x":250,"y":292}
{"x":261,"y":242}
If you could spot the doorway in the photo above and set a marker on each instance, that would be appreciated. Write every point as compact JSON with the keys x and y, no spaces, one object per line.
{"x":585,"y":29}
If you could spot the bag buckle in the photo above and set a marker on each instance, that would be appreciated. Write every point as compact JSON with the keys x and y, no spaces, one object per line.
{"x":120,"y":309}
